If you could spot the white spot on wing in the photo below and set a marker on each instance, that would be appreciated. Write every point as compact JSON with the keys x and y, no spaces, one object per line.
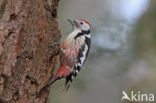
{"x":72,"y":77}
{"x":79,"y":64}
{"x":77,"y":71}
{"x":84,"y":54}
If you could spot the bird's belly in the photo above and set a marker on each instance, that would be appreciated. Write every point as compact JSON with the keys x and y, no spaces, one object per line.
{"x":71,"y":48}
{"x":70,"y":54}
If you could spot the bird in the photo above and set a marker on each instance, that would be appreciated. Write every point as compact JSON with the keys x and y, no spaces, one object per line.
{"x":74,"y":52}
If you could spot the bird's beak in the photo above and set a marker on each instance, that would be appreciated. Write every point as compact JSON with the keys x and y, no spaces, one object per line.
{"x":73,"y":22}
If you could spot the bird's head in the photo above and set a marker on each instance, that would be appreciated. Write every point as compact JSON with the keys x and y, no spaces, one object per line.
{"x":80,"y":24}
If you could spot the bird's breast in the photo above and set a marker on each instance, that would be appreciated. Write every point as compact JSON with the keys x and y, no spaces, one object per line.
{"x":71,"y":48}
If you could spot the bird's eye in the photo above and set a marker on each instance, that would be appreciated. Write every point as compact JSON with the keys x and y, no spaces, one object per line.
{"x":81,"y":23}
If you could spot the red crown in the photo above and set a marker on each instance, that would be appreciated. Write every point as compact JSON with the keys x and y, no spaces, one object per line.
{"x":85,"y":22}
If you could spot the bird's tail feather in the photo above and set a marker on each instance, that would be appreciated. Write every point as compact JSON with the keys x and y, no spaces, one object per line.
{"x":67,"y":83}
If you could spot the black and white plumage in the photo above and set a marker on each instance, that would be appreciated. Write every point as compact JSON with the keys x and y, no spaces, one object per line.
{"x":75,"y":50}
{"x":82,"y":56}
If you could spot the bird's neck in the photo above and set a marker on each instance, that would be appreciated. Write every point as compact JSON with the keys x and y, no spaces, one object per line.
{"x":73,"y":34}
{"x":76,"y":34}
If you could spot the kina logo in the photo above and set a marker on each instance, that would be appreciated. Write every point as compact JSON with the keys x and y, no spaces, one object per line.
{"x":140,"y":97}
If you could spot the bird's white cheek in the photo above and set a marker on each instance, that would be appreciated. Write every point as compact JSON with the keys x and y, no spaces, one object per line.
{"x":85,"y":27}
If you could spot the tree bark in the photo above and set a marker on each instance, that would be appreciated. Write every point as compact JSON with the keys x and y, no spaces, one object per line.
{"x":27,"y":27}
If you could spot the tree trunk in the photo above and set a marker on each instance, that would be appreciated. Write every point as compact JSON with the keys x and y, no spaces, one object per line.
{"x":27,"y":27}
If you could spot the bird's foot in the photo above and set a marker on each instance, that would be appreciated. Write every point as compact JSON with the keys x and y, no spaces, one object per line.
{"x":55,"y":49}
{"x":54,"y":44}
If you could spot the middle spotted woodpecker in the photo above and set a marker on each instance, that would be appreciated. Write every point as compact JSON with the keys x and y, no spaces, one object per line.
{"x":74,"y":52}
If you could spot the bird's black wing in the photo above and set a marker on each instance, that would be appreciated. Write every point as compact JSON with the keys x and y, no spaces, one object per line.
{"x":82,"y":56}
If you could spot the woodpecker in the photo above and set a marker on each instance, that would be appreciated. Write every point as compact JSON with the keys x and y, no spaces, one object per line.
{"x":74,"y":52}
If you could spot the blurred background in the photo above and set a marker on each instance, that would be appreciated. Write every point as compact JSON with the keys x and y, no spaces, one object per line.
{"x":123,"y":52}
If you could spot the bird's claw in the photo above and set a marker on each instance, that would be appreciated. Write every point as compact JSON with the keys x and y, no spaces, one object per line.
{"x":54,"y":44}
